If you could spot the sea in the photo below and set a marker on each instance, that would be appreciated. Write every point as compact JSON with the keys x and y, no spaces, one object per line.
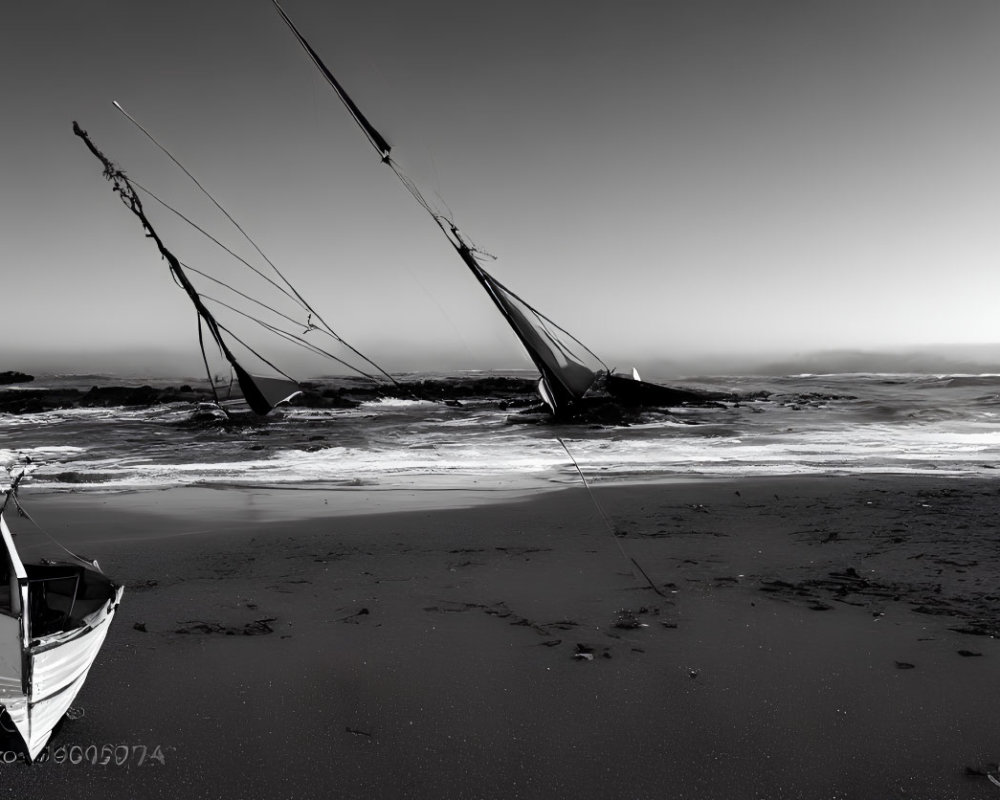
{"x":808,"y":424}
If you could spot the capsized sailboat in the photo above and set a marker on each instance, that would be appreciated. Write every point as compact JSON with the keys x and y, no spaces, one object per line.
{"x":261,"y":394}
{"x":569,"y":371}
{"x":298,"y":325}
{"x":54,"y":617}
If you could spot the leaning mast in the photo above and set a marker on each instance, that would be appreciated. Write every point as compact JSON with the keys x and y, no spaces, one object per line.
{"x":557,"y":390}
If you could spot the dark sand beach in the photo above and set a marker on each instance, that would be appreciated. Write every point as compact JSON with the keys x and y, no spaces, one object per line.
{"x":817,"y":637}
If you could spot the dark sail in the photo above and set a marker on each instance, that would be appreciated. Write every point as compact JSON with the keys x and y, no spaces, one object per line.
{"x":261,"y":393}
{"x":565,"y":378}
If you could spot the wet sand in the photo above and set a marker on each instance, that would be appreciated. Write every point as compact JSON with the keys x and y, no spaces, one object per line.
{"x":815,"y":638}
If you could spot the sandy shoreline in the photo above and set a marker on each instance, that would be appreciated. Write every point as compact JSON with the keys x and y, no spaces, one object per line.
{"x":818,"y":637}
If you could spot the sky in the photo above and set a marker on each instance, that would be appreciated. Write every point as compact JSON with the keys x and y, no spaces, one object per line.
{"x":674,"y":182}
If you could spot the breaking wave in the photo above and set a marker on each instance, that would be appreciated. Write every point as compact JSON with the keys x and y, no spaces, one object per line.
{"x":805,"y":424}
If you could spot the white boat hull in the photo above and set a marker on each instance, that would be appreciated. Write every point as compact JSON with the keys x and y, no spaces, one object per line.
{"x":57,"y":666}
{"x":53,"y":622}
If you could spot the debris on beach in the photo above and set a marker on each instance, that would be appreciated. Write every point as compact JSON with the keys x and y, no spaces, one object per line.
{"x":628,"y":620}
{"x":989,"y":771}
{"x":584,"y":651}
{"x":258,"y":627}
{"x":353,"y":617}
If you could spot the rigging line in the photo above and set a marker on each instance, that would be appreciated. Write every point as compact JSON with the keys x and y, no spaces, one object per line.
{"x":209,"y":236}
{"x":130,"y":197}
{"x":411,"y":187}
{"x":285,"y":334}
{"x":291,"y":337}
{"x":310,"y":347}
{"x":27,"y":516}
{"x":258,"y":355}
{"x":383,"y":148}
{"x":541,"y":316}
{"x":204,"y":191}
{"x":607,"y":522}
{"x":12,"y":489}
{"x":381,"y":145}
{"x":464,"y":240}
{"x":299,"y":340}
{"x":245,"y":296}
{"x":445,"y":222}
{"x":204,"y":358}
{"x":558,"y":343}
{"x":238,"y":227}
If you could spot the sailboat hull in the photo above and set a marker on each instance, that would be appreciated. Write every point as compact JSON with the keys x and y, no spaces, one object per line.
{"x":632,"y":392}
{"x":56,"y":668}
{"x":54,"y":617}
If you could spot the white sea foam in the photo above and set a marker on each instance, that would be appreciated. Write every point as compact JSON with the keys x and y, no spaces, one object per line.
{"x":42,"y":453}
{"x":809,"y":425}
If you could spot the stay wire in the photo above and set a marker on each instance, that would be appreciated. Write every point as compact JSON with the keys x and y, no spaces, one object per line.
{"x":53,"y":539}
{"x":305,"y":304}
{"x":209,"y":236}
{"x":610,"y":526}
{"x":207,"y":194}
{"x":444,"y":222}
{"x":554,"y":324}
{"x":326,"y":329}
{"x":291,"y":337}
{"x":204,"y":358}
{"x":245,"y":296}
{"x":258,"y":355}
{"x":313,"y":348}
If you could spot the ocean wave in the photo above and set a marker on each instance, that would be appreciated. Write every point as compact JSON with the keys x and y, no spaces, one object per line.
{"x":396,"y":402}
{"x":41,"y":453}
{"x":891,"y":423}
{"x":960,"y":381}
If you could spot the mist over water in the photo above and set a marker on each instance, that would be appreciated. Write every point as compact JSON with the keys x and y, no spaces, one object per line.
{"x":184,"y":364}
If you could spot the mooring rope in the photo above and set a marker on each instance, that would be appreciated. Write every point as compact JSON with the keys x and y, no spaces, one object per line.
{"x":607,"y":521}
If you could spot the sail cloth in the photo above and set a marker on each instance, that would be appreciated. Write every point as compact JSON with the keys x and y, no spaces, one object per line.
{"x":565,"y":378}
{"x":263,"y":394}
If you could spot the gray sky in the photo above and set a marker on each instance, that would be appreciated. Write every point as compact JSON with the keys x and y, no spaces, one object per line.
{"x":665,"y":179}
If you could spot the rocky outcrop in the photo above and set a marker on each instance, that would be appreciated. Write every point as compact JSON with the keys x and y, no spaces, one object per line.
{"x":12,"y":376}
